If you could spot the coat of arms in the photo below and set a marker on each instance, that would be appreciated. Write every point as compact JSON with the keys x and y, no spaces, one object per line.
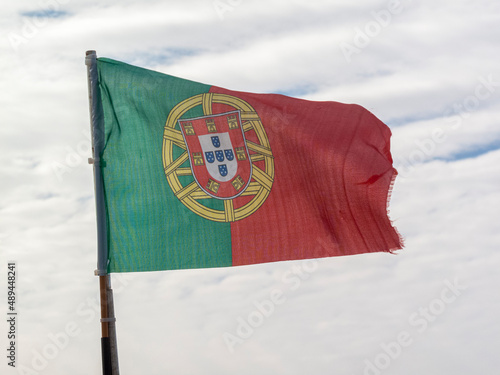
{"x":211,"y":165}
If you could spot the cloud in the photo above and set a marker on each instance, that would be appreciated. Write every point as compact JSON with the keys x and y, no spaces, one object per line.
{"x":432,"y":77}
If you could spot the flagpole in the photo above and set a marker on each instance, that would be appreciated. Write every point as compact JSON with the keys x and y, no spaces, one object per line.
{"x":109,"y":350}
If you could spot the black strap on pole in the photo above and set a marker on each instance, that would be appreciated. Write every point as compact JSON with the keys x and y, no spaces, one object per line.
{"x":106,"y":355}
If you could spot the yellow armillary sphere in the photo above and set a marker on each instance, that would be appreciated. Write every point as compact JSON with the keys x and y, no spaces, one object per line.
{"x":192,"y":195}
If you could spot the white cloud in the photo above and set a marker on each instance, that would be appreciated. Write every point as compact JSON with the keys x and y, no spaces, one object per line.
{"x":414,"y":74}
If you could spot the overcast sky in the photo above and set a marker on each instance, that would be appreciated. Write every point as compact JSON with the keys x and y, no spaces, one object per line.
{"x":428,"y":69}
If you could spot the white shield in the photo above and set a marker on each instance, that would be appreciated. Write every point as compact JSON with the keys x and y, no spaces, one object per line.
{"x":215,"y":165}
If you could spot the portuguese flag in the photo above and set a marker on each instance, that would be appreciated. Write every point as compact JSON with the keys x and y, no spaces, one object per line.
{"x":198,"y":176}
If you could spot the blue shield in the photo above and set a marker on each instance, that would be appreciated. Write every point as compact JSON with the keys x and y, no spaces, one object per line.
{"x":223,"y":170}
{"x":219,"y":155}
{"x":210,"y":156}
{"x":216,"y":141}
{"x":229,"y":154}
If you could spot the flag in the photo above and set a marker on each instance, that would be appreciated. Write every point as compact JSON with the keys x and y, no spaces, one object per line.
{"x":198,"y":176}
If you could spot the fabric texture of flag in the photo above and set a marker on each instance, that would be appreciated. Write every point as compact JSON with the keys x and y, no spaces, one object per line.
{"x":198,"y":176}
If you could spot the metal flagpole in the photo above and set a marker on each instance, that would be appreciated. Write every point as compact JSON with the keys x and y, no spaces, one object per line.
{"x":108,"y":331}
